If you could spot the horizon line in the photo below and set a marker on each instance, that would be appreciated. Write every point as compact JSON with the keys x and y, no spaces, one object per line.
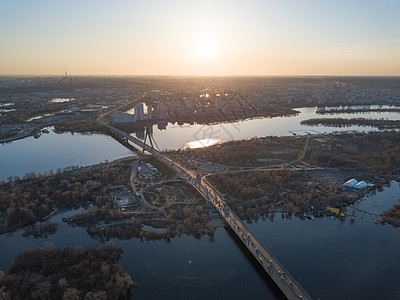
{"x":174,"y":75}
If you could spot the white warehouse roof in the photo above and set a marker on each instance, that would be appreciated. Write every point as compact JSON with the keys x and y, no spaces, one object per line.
{"x":350,"y":183}
{"x":361,"y":185}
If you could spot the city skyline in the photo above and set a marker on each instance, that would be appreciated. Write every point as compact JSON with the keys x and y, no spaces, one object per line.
{"x":212,"y":38}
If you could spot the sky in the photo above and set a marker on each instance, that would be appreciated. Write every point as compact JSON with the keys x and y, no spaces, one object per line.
{"x":191,"y":37}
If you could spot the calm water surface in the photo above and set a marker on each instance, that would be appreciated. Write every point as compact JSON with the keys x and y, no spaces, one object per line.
{"x":332,"y":259}
{"x":52,"y":151}
{"x":336,"y":259}
{"x":176,"y":136}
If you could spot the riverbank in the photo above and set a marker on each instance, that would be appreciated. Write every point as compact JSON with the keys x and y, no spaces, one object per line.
{"x":17,"y":137}
{"x":308,"y":181}
{"x":170,"y":206}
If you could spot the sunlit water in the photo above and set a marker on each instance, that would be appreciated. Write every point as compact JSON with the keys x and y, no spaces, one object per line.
{"x":52,"y":151}
{"x":180,"y":136}
{"x":332,"y":259}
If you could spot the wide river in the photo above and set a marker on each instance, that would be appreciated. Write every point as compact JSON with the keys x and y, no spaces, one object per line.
{"x":332,"y":259}
{"x":52,"y":151}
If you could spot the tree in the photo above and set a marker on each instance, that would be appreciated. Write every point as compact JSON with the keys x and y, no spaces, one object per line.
{"x":71,"y":294}
{"x":42,"y":291}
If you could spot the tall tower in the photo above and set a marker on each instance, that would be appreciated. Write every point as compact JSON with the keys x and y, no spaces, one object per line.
{"x":149,"y":115}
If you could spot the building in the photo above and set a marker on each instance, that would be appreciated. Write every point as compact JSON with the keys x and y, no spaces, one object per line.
{"x":350,"y":183}
{"x":149,"y":115}
{"x":361,"y":185}
{"x":354,"y":184}
{"x":139,"y":112}
{"x":121,"y":196}
{"x":124,"y":117}
{"x":335,"y":211}
{"x":161,"y":110}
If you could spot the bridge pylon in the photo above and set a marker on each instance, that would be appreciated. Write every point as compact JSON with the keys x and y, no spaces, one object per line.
{"x":148,"y":135}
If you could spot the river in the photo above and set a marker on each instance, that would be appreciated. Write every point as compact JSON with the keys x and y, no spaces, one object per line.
{"x":52,"y":151}
{"x":332,"y":259}
{"x":181,"y":136}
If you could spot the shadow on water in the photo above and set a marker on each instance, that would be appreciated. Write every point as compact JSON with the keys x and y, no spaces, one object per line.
{"x":256,"y":265}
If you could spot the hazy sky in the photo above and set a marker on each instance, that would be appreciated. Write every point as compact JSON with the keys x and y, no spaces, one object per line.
{"x":190,"y":37}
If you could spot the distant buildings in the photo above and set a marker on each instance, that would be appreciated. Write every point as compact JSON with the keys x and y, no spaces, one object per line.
{"x":161,"y":110}
{"x":139,"y":112}
{"x":149,"y":115}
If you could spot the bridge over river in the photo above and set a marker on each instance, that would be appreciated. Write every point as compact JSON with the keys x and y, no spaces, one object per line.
{"x":284,"y":280}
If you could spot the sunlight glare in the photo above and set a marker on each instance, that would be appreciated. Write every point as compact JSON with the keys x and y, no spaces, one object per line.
{"x":206,"y":48}
{"x":201,"y":143}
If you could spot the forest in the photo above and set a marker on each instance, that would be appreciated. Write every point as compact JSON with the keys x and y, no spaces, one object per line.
{"x":341,"y":122}
{"x":81,"y":125}
{"x":257,"y":194}
{"x":355,"y":110}
{"x":376,"y":154}
{"x":107,"y":222}
{"x":49,"y":273}
{"x":30,"y":199}
{"x":28,"y":202}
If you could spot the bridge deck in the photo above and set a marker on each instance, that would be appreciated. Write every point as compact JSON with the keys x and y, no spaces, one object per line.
{"x":285,"y":281}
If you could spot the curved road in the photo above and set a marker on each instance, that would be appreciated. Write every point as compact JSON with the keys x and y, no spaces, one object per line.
{"x":286,"y":282}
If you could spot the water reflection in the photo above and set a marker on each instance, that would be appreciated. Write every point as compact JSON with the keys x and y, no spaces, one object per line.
{"x":176,"y":136}
{"x":184,"y":135}
{"x":201,"y":143}
{"x":54,"y":151}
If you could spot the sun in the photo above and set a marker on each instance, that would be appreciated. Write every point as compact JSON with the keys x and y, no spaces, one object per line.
{"x":205,"y":48}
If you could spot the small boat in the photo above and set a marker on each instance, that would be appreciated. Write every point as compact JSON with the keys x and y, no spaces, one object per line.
{"x":45,"y":131}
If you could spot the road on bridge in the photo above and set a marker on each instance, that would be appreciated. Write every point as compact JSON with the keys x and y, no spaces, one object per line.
{"x":285,"y":281}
